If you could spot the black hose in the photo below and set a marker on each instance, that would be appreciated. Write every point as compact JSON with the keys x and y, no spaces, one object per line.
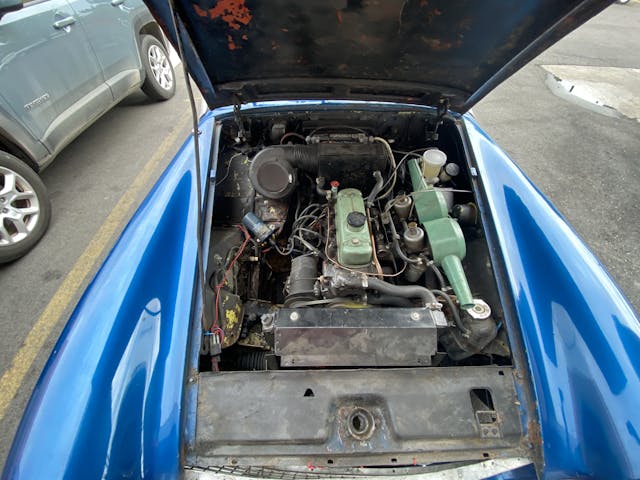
{"x":252,"y":360}
{"x":309,"y":157}
{"x":438,"y":274}
{"x":405,"y":291}
{"x":454,"y":311}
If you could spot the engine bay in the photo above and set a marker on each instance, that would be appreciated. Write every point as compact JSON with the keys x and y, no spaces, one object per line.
{"x":347,"y":241}
{"x":352,"y":311}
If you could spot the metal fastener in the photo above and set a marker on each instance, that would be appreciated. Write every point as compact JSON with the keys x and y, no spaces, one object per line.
{"x":294,"y":316}
{"x":415,"y":316}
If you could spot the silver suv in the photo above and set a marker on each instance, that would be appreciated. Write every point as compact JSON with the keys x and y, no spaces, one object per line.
{"x":63,"y":64}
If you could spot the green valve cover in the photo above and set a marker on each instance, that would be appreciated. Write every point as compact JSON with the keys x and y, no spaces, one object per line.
{"x":352,"y":229}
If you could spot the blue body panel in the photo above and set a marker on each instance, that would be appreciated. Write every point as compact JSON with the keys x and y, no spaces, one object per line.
{"x":581,"y":336}
{"x":110,"y":401}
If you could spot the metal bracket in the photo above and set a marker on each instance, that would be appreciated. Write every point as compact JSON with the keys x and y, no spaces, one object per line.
{"x":242,"y":135}
{"x":442,"y":110}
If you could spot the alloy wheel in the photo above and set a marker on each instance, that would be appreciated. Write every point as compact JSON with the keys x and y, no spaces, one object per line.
{"x":160,"y":67}
{"x":19,"y":207}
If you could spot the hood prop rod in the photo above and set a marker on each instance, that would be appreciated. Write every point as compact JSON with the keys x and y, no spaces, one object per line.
{"x":211,"y":341}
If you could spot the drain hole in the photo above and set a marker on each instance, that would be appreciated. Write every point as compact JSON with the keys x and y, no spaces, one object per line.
{"x":361,"y":423}
{"x":309,"y":393}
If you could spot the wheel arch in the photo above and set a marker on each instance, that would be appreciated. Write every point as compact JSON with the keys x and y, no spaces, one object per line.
{"x":153,"y":29}
{"x":11,"y":147}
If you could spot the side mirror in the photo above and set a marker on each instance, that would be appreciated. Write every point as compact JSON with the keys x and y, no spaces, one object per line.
{"x":7,"y":6}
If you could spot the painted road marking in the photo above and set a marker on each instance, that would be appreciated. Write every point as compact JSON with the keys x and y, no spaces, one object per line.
{"x":14,"y":376}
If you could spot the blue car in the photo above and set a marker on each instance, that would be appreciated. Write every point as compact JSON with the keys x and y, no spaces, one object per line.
{"x":340,"y":275}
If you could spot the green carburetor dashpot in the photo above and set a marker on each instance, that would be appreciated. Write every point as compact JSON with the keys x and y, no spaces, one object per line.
{"x":445,"y":236}
{"x":352,"y":229}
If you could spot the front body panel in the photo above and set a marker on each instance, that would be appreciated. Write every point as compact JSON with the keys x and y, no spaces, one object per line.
{"x":123,"y":358}
{"x":581,"y":335}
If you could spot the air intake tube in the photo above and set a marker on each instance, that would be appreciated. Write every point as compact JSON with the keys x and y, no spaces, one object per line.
{"x":273,"y":169}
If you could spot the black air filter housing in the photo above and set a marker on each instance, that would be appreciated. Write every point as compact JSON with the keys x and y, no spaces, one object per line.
{"x":273,"y":170}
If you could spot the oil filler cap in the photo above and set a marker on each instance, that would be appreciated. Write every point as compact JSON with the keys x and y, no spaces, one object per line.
{"x":356,"y":219}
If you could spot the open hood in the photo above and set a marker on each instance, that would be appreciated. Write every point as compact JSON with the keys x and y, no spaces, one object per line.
{"x":427,"y":52}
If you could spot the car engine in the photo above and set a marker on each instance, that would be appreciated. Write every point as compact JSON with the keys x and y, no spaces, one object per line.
{"x":345,"y":246}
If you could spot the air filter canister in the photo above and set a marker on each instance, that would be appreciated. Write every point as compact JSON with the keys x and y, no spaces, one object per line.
{"x":272,"y":177}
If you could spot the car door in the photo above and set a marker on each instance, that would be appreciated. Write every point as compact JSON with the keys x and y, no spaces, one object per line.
{"x":113,"y":38}
{"x":49,"y":76}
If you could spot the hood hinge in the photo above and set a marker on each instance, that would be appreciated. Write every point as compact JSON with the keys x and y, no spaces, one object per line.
{"x":441,"y":111}
{"x":242,"y":134}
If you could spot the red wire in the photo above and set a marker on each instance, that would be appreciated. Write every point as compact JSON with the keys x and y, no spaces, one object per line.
{"x":215,"y":328}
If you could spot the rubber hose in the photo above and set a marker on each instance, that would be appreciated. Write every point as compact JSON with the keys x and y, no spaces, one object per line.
{"x":438,"y":274}
{"x":252,"y":360}
{"x":405,"y":291}
{"x":308,"y":157}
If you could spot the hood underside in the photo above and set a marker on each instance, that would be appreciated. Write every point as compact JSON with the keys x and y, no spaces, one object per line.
{"x":411,"y":51}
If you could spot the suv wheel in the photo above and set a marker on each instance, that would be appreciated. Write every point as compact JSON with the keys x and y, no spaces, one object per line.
{"x":25,"y":208}
{"x":159,"y":83}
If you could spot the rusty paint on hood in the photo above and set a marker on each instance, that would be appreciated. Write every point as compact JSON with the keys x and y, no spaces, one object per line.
{"x":420,"y":51}
{"x":233,"y":12}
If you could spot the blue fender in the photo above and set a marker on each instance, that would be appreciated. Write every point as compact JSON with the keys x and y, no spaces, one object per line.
{"x":582,"y":337}
{"x":109,"y":401}
{"x":121,"y":359}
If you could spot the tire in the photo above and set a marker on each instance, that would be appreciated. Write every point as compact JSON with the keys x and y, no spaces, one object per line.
{"x":160,"y":81}
{"x":25,"y":208}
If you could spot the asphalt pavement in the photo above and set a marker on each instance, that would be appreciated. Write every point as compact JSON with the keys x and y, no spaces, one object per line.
{"x":587,"y":163}
{"x":87,"y":183}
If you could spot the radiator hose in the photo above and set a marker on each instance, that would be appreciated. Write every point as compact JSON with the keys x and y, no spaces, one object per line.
{"x":406,"y":291}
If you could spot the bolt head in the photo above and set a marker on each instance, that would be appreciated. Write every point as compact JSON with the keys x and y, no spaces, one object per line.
{"x":5,"y":210}
{"x":294,"y":316}
{"x":415,"y":316}
{"x":355,"y":241}
{"x":2,"y":199}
